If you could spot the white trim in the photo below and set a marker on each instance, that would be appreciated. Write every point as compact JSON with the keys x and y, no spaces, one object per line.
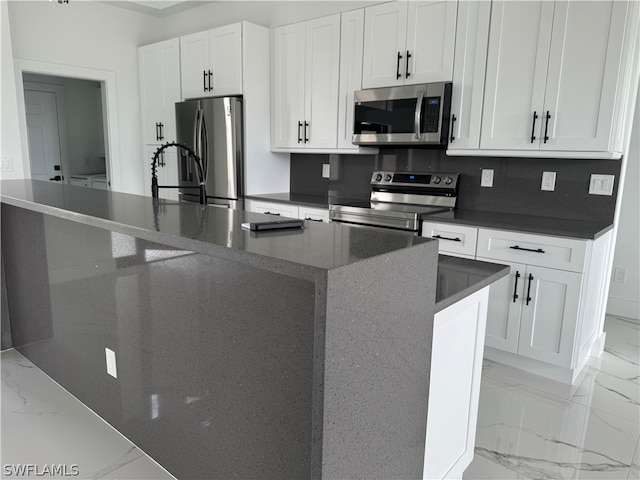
{"x":621,"y":307}
{"x":534,"y":154}
{"x":108,"y":81}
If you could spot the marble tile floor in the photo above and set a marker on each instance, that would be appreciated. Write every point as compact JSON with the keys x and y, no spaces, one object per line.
{"x":43,"y":427}
{"x":528,"y":427}
{"x":533,"y":428}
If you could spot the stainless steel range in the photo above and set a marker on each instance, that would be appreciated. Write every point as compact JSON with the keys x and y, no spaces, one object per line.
{"x":400,"y":200}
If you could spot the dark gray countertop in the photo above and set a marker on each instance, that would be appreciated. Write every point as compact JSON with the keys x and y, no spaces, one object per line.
{"x":315,"y":201}
{"x":460,"y":277}
{"x":207,"y":229}
{"x":560,"y":227}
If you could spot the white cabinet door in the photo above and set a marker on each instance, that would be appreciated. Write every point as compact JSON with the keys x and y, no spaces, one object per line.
{"x":549,"y":315}
{"x":322,"y":62}
{"x":351,"y":44}
{"x":226,"y":60}
{"x":288,"y":50}
{"x":470,"y":61}
{"x":194,"y":64}
{"x":430,"y":41}
{"x":584,"y":62}
{"x":159,"y":72}
{"x":384,"y":59}
{"x":313,"y":214}
{"x":517,"y":59}
{"x":505,"y":308}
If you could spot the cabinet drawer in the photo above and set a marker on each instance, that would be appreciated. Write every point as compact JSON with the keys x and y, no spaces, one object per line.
{"x":281,"y":209}
{"x":455,"y":239}
{"x":310,"y":213}
{"x":545,"y":251}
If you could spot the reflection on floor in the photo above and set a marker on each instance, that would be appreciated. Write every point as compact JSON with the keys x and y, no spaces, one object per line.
{"x":45,"y":428}
{"x":528,"y":427}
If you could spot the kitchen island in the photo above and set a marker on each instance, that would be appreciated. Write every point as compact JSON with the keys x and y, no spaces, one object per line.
{"x":225,"y":353}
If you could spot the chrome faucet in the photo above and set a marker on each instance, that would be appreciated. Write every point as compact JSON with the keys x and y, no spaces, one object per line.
{"x":191,"y":154}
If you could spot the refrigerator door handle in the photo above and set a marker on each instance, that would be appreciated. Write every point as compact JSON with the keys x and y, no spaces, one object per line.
{"x":204,"y":148}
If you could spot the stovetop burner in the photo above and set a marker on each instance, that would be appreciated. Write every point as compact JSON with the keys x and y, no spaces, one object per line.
{"x":400,"y":200}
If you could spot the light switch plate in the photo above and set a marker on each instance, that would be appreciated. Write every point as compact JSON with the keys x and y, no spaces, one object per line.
{"x":326,"y":170}
{"x":111,"y":363}
{"x":548,"y":181}
{"x":487,"y":178}
{"x":601,"y":184}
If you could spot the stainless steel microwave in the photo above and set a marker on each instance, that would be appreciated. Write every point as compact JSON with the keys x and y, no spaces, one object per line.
{"x":407,"y":115}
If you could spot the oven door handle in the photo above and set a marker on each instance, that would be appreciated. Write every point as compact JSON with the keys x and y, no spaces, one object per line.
{"x":418,"y":115}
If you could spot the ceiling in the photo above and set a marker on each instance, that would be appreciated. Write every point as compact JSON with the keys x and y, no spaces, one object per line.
{"x":158,"y":8}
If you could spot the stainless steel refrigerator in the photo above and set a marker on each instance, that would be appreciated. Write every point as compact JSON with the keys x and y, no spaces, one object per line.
{"x":213,"y":128}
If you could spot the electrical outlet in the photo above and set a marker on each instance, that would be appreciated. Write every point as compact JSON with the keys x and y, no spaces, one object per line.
{"x":601,"y":184}
{"x":6,"y":164}
{"x":487,"y":178}
{"x":619,"y":275}
{"x":548,"y":181}
{"x":326,"y":170}
{"x":112,"y":369}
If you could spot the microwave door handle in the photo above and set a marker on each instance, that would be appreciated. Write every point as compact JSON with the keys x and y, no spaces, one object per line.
{"x":418,"y":115}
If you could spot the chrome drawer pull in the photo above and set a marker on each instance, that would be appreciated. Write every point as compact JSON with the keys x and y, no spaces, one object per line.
{"x":447,"y":238}
{"x":516,"y":247}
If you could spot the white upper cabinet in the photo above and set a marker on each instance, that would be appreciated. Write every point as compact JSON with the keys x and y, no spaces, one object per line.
{"x":351,"y":43}
{"x":553,"y":73}
{"x":408,"y":42}
{"x":159,"y":76}
{"x":305,"y":84}
{"x":470,"y":61}
{"x":211,"y":62}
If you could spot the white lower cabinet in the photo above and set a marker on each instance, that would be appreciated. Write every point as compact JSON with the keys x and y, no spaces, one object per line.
{"x":287,"y":210}
{"x":454,"y":386}
{"x":546,"y":316}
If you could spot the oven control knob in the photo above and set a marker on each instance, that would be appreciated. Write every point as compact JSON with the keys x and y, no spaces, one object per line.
{"x":437,"y":180}
{"x":378,"y":177}
{"x":387,"y":178}
{"x":448,"y":180}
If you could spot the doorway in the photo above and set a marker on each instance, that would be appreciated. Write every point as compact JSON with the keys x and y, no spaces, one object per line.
{"x":65,"y":128}
{"x":81,"y":153}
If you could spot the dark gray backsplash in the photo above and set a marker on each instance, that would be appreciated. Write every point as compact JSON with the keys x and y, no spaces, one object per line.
{"x":516,"y":181}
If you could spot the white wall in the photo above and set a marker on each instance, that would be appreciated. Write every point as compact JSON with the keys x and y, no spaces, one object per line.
{"x":95,"y":36}
{"x":624,"y":298}
{"x":10,"y":146}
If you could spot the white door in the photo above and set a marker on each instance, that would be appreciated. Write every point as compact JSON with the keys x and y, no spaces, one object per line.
{"x":194,"y":65}
{"x":470,"y":61}
{"x":431,"y":33}
{"x":287,"y":120}
{"x":226,"y":60}
{"x":42,"y":132}
{"x":586,"y":46}
{"x":385,"y":31}
{"x":517,"y":60}
{"x":549,"y":315}
{"x":505,"y":308}
{"x":322,"y":63}
{"x":351,"y":43}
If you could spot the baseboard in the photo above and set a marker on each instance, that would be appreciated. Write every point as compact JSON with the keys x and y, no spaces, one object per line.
{"x":623,"y":308}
